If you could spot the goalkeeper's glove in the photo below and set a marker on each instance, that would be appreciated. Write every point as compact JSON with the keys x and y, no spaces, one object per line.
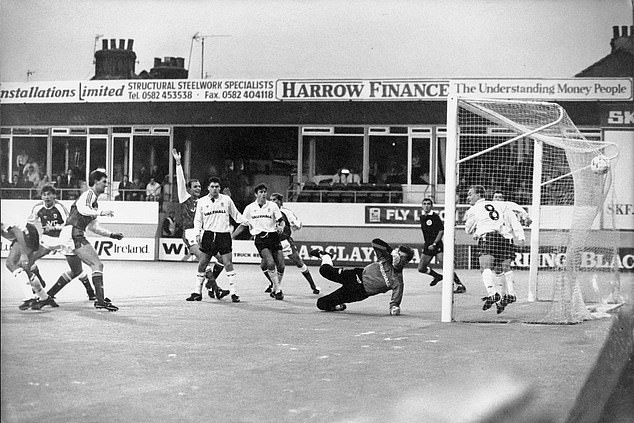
{"x":116,"y":235}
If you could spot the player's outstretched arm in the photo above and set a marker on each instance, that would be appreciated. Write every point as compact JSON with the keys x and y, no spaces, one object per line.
{"x":181,"y":184}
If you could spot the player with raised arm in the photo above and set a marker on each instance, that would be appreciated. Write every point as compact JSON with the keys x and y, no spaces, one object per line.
{"x":433,"y":229}
{"x":212,"y":220}
{"x":51,"y":215}
{"x":485,"y":221}
{"x":188,"y":195}
{"x":25,"y":241}
{"x":357,"y":284}
{"x":289,"y":249}
{"x":82,"y":218}
{"x":265,"y":222}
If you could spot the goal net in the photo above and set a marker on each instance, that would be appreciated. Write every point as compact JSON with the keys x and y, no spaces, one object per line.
{"x":533,"y":155}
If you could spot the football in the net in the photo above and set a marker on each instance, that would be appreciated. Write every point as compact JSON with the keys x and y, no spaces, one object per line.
{"x":600,"y":165}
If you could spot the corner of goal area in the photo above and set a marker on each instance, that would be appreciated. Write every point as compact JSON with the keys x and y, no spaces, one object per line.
{"x":607,"y":393}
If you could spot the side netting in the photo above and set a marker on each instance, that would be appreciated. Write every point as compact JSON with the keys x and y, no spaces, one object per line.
{"x":565,"y":259}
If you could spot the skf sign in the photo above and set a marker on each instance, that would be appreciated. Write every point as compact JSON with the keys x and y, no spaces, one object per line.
{"x":619,"y":118}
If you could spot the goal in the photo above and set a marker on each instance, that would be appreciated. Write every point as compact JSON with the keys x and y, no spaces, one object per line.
{"x":533,"y":154}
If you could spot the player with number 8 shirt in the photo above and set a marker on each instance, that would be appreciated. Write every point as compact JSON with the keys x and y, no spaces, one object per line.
{"x":485,"y":221}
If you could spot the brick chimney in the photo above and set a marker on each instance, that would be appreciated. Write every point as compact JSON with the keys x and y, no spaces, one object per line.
{"x":116,"y":62}
{"x":622,"y":39}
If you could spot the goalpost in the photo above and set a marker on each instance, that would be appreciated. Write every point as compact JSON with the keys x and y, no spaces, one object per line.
{"x":535,"y":155}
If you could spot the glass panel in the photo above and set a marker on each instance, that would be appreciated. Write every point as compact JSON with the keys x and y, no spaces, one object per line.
{"x":69,"y":165}
{"x":441,"y":152}
{"x":97,"y":154}
{"x":29,"y":162}
{"x":4,"y":159}
{"x":421,"y":159}
{"x":121,"y":158}
{"x":241,"y":157}
{"x":5,"y":176}
{"x":150,"y":164}
{"x":325,"y":155}
{"x":388,"y":159}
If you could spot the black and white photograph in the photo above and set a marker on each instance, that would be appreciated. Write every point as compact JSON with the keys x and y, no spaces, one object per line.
{"x":317,"y":211}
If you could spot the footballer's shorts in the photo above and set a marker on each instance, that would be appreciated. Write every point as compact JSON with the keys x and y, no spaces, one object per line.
{"x":189,"y":237}
{"x":56,"y":244}
{"x":430,"y":253}
{"x":31,"y":237}
{"x":72,"y":238}
{"x":268,"y":240}
{"x":287,"y":247}
{"x":213,"y":243}
{"x":494,"y":244}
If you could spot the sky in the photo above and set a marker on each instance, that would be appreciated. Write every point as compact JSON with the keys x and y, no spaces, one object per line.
{"x":54,"y":40}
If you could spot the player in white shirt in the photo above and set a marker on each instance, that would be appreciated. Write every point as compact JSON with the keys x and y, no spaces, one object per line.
{"x":265,"y":222}
{"x":26,"y":241}
{"x":289,"y":249}
{"x":188,"y":195}
{"x":514,"y":232}
{"x":213,"y":228}
{"x":488,"y":221}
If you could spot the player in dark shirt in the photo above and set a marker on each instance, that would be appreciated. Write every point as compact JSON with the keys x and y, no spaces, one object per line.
{"x":51,"y":215}
{"x":433,"y":229}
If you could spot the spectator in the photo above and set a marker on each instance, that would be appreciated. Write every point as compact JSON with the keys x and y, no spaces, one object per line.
{"x":344,"y":176}
{"x":21,"y":160}
{"x":144,"y":177}
{"x":68,"y":184}
{"x":124,"y":186}
{"x":169,"y":225}
{"x":395,"y":175}
{"x":137,"y":193}
{"x":4,"y":183}
{"x":43,"y":182}
{"x":152,"y":190}
{"x":32,"y":171}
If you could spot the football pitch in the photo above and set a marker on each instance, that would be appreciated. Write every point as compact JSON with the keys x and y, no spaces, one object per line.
{"x":162,"y":359}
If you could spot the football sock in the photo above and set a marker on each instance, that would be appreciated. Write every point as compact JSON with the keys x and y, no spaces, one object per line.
{"x":266,"y":273}
{"x":37,"y":288}
{"x":200,"y":280}
{"x":488,"y":278}
{"x":306,"y":274}
{"x":510,"y":283}
{"x":274,"y":280}
{"x":36,"y":271}
{"x":499,"y":282}
{"x":218,"y":268}
{"x":83,"y":278}
{"x":233,"y":283}
{"x":326,"y":259}
{"x":23,"y":280}
{"x":432,"y":272}
{"x":97,"y":280}
{"x":61,"y":282}
{"x":280,"y":276}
